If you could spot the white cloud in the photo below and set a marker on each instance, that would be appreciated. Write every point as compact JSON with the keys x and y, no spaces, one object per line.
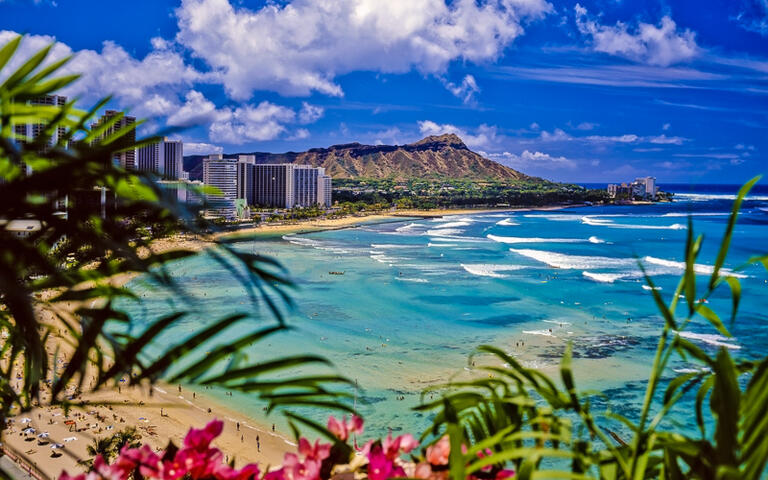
{"x":196,"y":110}
{"x":301,"y":47}
{"x":310,"y":113}
{"x":266,"y":121}
{"x":661,"y":45}
{"x":299,"y":134}
{"x":466,"y":90}
{"x":665,"y":126}
{"x":665,"y":140}
{"x":559,"y":135}
{"x":626,"y":138}
{"x":484,"y":136}
{"x":194,"y":148}
{"x":532,"y":160}
{"x":390,"y":136}
{"x":586,"y":126}
{"x":112,"y":71}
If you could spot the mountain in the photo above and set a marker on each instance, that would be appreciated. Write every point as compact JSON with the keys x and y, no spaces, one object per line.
{"x":435,"y":157}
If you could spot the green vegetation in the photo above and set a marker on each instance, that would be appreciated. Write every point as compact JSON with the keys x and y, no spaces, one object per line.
{"x":424,"y":194}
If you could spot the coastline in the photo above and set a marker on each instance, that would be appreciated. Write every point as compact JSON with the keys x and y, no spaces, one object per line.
{"x":323,"y":224}
{"x":139,"y":407}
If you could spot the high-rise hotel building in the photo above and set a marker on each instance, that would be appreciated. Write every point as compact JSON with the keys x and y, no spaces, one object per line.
{"x":221,"y":173}
{"x":165,"y":158}
{"x":282,"y":185}
{"x":28,"y":132}
{"x":127,"y":158}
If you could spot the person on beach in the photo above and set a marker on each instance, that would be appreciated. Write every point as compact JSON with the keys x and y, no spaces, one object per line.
{"x":258,"y":444}
{"x":238,"y":426}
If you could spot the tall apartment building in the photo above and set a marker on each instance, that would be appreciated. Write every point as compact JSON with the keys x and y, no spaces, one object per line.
{"x":324,"y":186}
{"x":33,"y":130}
{"x":28,"y":132}
{"x":126,"y":159}
{"x":245,"y":165}
{"x":272,"y":185}
{"x":221,"y":173}
{"x":284,"y":185}
{"x":165,"y":158}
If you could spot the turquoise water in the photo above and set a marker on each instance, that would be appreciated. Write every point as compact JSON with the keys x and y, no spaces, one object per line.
{"x":418,"y":296}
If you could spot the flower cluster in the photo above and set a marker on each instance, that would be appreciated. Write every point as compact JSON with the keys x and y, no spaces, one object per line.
{"x":379,"y":459}
{"x":195,"y":460}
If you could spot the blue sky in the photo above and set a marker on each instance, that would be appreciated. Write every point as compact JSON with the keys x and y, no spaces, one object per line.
{"x":581,"y":91}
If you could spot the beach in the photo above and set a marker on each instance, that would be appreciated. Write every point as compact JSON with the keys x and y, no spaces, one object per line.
{"x":112,"y":409}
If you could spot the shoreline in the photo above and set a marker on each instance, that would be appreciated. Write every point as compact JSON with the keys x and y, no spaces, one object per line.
{"x":352,"y":221}
{"x":138,"y":406}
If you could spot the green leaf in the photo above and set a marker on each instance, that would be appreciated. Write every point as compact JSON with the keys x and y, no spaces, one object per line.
{"x":726,"y":242}
{"x":710,"y":315}
{"x":725,"y":404}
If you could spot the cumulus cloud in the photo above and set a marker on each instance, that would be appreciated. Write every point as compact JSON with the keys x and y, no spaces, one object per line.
{"x":196,"y":110}
{"x":532,"y":160}
{"x":111,"y":70}
{"x":310,"y":113}
{"x":194,"y":148}
{"x":466,"y":90}
{"x":265,"y":121}
{"x":660,"y":45}
{"x":484,"y":136}
{"x":301,"y":47}
{"x":144,"y":86}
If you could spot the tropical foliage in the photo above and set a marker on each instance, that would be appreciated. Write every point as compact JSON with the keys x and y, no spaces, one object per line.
{"x":61,"y":329}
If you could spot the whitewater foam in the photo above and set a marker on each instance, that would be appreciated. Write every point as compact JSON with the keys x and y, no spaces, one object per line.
{"x":500,"y":239}
{"x":594,"y":239}
{"x":603,"y":277}
{"x":711,"y":339}
{"x":601,"y":221}
{"x":698,"y":268}
{"x":490,"y":270}
{"x":441,"y":232}
{"x":507,"y":222}
{"x":562,"y":260}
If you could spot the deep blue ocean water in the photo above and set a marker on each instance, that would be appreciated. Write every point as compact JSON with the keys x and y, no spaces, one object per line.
{"x":417,"y":296}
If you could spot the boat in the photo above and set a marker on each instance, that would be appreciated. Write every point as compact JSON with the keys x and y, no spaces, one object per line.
{"x":335,"y":273}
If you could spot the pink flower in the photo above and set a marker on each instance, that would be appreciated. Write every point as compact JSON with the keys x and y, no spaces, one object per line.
{"x":143,"y":458}
{"x":225,"y":472}
{"x":501,"y":474}
{"x":317,"y":452}
{"x":422,"y":470}
{"x":392,"y":448}
{"x":381,"y":467}
{"x":343,"y":428}
{"x":200,"y":439}
{"x":438,"y":453}
{"x":309,"y":469}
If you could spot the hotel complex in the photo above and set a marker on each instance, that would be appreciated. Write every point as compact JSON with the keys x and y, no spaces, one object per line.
{"x":241,"y":182}
{"x":165,"y":158}
{"x":643,"y":188}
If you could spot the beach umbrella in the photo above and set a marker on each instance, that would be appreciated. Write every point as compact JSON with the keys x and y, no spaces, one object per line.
{"x":56,"y":446}
{"x":42,"y":435}
{"x":26,"y":420}
{"x":28,"y":430}
{"x":70,"y":439}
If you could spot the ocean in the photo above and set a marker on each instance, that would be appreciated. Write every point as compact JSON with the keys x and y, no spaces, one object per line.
{"x":418,"y":295}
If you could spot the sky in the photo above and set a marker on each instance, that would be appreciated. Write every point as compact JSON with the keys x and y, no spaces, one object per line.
{"x":587,"y":91}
